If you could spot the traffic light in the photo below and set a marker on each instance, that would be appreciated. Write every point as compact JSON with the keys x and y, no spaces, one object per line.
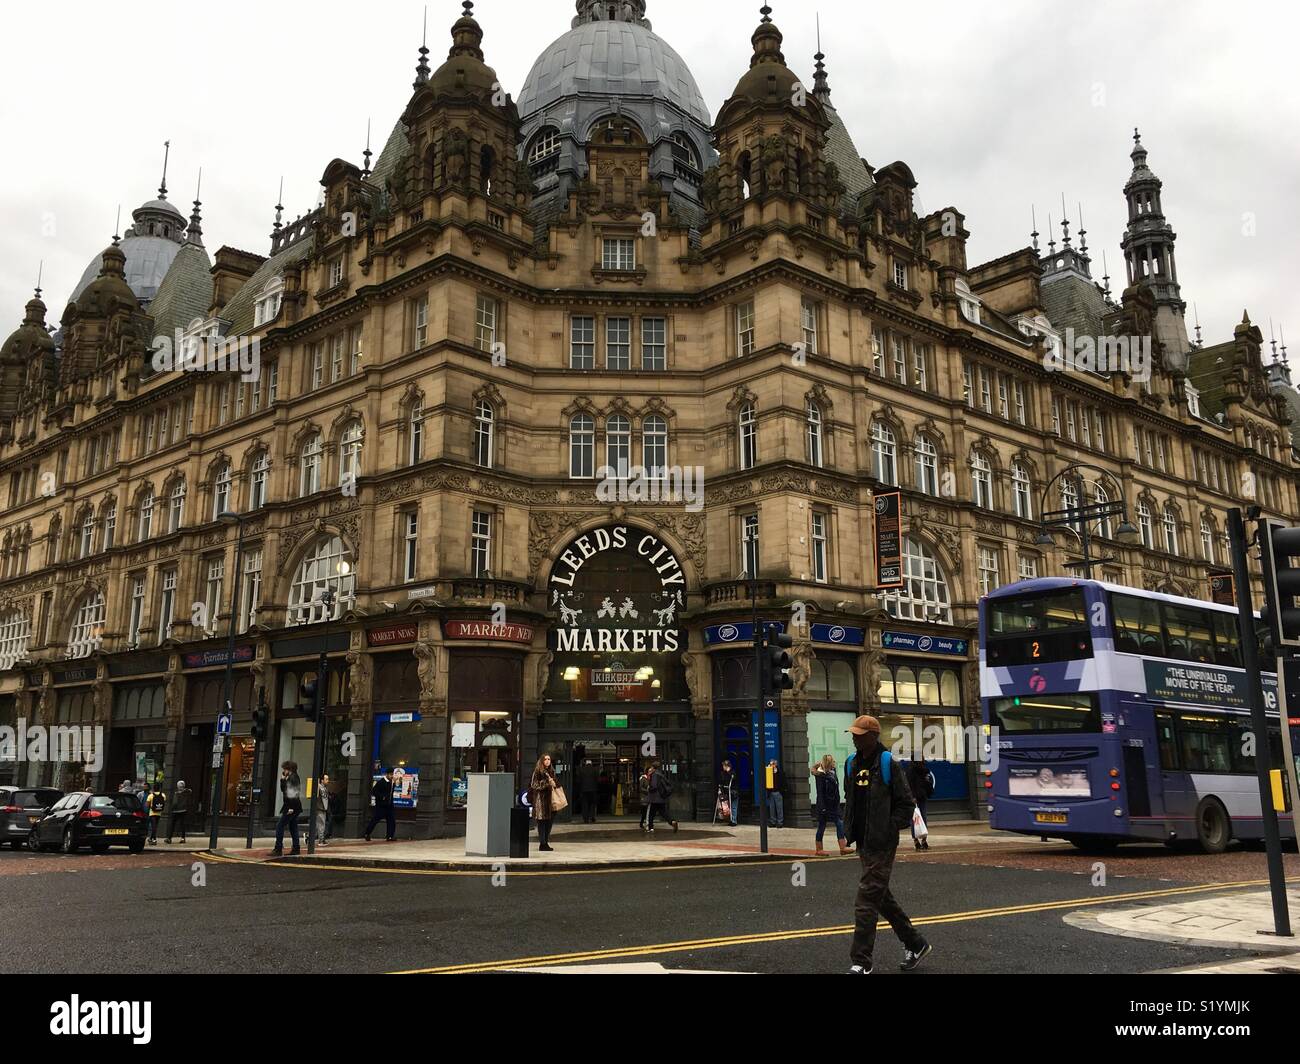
{"x":775,"y":676}
{"x":307,"y":698}
{"x":1279,"y":549}
{"x":259,"y":723}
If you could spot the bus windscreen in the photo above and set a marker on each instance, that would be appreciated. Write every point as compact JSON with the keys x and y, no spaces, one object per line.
{"x":1048,"y":713}
{"x":1037,"y":628}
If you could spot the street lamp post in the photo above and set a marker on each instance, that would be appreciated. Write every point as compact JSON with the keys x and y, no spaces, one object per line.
{"x":759,"y":757}
{"x":318,"y":743}
{"x":1079,"y":519}
{"x":219,"y":748}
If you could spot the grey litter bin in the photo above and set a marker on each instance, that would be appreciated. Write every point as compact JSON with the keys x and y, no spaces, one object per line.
{"x":520,"y":826}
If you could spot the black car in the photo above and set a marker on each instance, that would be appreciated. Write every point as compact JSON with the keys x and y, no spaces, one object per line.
{"x":95,"y":820}
{"x":20,"y":809}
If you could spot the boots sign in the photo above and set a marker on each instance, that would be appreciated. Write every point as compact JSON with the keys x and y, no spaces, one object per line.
{"x":617,"y":590}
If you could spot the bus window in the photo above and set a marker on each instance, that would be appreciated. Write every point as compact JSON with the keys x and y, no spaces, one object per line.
{"x":1167,"y":740}
{"x":1137,"y":626}
{"x":1054,"y":611}
{"x":1206,"y":744}
{"x":1227,"y":646}
{"x":1187,"y":634}
{"x":1048,"y":713}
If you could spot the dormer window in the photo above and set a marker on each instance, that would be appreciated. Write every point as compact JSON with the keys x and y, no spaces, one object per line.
{"x":547,"y":142}
{"x":969,"y":303}
{"x":335,"y":269}
{"x":267,"y":308}
{"x":1193,"y":399}
{"x":900,"y":273}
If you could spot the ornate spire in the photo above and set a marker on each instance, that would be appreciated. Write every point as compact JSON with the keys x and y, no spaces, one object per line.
{"x":1033,"y":214}
{"x":422,"y":67}
{"x":1285,"y":361}
{"x":279,"y":208}
{"x":1083,"y":235}
{"x":194,"y":234}
{"x":1065,"y":224}
{"x":40,"y":274}
{"x":1105,"y":274}
{"x":117,"y":227}
{"x":365,"y":170}
{"x":1051,"y":240}
{"x":767,"y":41}
{"x":821,"y":87}
{"x":167,"y":151}
{"x":466,"y":34}
{"x":1196,"y":314}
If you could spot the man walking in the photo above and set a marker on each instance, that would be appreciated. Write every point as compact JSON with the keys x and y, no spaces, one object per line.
{"x":291,"y":810}
{"x":588,"y":787}
{"x":181,"y":806}
{"x":154,"y":804}
{"x":878,"y":805}
{"x":381,"y":797}
{"x":775,"y":801}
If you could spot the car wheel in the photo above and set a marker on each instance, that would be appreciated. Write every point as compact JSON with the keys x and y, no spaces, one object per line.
{"x":33,"y":843}
{"x":137,"y":847}
{"x":68,"y":845}
{"x":1213,"y":828}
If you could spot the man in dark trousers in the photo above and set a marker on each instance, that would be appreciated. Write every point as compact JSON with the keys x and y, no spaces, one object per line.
{"x":588,"y":786}
{"x":382,"y":796}
{"x":182,"y":804}
{"x":875,"y":812}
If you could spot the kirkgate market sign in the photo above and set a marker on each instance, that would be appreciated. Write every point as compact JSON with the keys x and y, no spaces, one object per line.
{"x":612,"y":620}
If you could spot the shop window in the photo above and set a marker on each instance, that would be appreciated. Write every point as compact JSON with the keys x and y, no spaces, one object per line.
{"x":905,"y":687}
{"x":949,"y":689}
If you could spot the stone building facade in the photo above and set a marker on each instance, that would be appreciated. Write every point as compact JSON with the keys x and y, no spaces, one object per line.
{"x":454,"y":344}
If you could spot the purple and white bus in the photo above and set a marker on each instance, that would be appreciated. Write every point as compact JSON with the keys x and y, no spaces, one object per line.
{"x":1119,"y":715}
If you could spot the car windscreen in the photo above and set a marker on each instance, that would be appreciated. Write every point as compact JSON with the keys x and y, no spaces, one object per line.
{"x":127,"y":803}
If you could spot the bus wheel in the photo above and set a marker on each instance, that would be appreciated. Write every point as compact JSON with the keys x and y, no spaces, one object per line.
{"x":1213,"y":829}
{"x":1095,"y":845}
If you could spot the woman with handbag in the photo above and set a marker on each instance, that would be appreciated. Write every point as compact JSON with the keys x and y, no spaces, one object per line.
{"x":921,"y":780}
{"x":547,"y":798}
{"x":827,"y":806}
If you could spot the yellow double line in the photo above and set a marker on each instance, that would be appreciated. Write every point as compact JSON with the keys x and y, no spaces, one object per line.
{"x":816,"y":932}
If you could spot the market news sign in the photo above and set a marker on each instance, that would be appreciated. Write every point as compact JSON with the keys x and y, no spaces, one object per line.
{"x":889,"y":540}
{"x":498,"y":633}
{"x":599,"y":613}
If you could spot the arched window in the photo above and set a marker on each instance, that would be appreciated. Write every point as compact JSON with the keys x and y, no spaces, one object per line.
{"x":416,"y":452}
{"x":87,"y":547}
{"x":545,"y":143}
{"x":109,"y":517}
{"x":1022,"y":490}
{"x":981,"y":478}
{"x":176,"y":506}
{"x":1144,"y":525}
{"x":582,"y":446}
{"x":618,"y":445}
{"x":927,"y":464}
{"x":54,"y":543}
{"x":221,"y":491}
{"x":146,"y":517}
{"x":1100,"y":497}
{"x":484,"y":425}
{"x":15,"y":631}
{"x":1207,"y":539}
{"x":745,"y":168}
{"x":924,"y":594}
{"x":884,"y":454}
{"x":1170,"y":522}
{"x":87,"y":627}
{"x":311,"y":457}
{"x":325,"y":565}
{"x":257,"y":480}
{"x":814,"y":434}
{"x":654,"y":446}
{"x":486,"y":162}
{"x":1070,"y":498}
{"x":683,"y":150}
{"x":748,"y":437}
{"x":350,"y":444}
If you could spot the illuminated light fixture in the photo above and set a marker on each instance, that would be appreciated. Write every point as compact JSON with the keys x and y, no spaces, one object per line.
{"x":644,"y":673}
{"x":657,"y":684}
{"x":572,"y":672}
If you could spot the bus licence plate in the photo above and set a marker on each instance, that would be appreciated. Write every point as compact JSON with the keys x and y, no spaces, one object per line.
{"x":1049,"y":818}
{"x":116,"y":831}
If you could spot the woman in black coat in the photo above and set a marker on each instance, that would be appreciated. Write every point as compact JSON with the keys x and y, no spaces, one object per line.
{"x":827,"y":805}
{"x":920,"y":779}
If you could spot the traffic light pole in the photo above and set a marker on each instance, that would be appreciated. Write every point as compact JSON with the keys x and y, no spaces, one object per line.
{"x":760,"y":687}
{"x":1249,"y":640}
{"x":318,"y":748}
{"x":259,"y":737}
{"x":219,"y":747}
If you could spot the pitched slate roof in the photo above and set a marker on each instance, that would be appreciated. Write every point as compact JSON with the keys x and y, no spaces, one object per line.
{"x":239,"y":312}
{"x":185,"y":292}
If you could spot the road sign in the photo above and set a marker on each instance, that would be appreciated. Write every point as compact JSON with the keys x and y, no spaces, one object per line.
{"x":223,"y":724}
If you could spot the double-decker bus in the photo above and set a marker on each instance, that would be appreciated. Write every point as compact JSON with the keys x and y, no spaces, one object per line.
{"x":1120,"y":715}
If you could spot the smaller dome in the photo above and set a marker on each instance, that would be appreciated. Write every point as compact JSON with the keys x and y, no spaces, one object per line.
{"x":161,"y":206}
{"x":464,"y":72}
{"x":768,"y":79}
{"x":31,"y":338}
{"x":109,"y":285}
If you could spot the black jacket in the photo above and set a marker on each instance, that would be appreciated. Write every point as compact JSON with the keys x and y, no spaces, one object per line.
{"x":889,"y":809}
{"x":587,"y":781}
{"x":918,"y":778}
{"x":382,"y":792}
{"x":828,"y":793}
{"x":183,"y":801}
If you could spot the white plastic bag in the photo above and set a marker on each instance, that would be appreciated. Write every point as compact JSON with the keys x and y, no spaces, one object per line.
{"x":918,"y":824}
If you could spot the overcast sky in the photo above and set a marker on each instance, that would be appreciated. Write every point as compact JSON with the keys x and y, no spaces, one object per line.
{"x":996,"y":105}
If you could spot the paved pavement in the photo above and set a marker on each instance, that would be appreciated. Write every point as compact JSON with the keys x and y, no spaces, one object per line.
{"x":611,"y":845}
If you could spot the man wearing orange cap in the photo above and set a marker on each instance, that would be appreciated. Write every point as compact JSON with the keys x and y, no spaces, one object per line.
{"x":877,"y":805}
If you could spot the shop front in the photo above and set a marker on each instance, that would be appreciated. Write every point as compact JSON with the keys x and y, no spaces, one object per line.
{"x":79,"y":752}
{"x":617,"y":693}
{"x":138,"y":732}
{"x":205,"y":702}
{"x":9,"y":762}
{"x":395,"y":742}
{"x":294,"y":735}
{"x":922,"y":712}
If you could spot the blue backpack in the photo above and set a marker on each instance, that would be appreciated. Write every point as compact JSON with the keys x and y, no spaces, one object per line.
{"x":886,"y":761}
